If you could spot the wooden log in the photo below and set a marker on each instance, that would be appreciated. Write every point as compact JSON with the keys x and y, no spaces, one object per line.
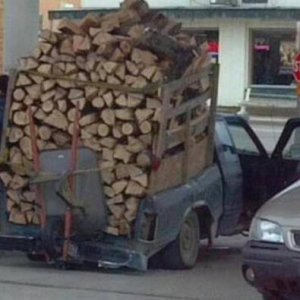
{"x":124,"y":227}
{"x":124,"y":114}
{"x":90,"y":93}
{"x":143,"y":160}
{"x":92,"y":129}
{"x":29,"y":196}
{"x":135,"y":145}
{"x":103,"y":38}
{"x":17,"y":217}
{"x":120,"y":72}
{"x":57,"y":119}
{"x":70,"y":27}
{"x":132,"y":68}
{"x":20,"y":118}
{"x":48,"y":106}
{"x":108,"y":191}
{"x":108,"y":176}
{"x":108,"y":142}
{"x":98,"y":102}
{"x":136,"y":31}
{"x":28,"y":101}
{"x":141,"y":179}
{"x":145,"y":127}
{"x":5,"y":178}
{"x":108,"y":99}
{"x":15,"y":155}
{"x":117,"y":210}
{"x":117,"y":132}
{"x":149,"y":72}
{"x":121,"y":100}
{"x":24,"y":206}
{"x":107,"y":154}
{"x":93,"y":144}
{"x":145,"y":57}
{"x":48,"y":36}
{"x":128,"y":128}
{"x":23,"y":80}
{"x":117,"y":55}
{"x":139,"y":83}
{"x":61,"y":139}
{"x":40,"y":114}
{"x":143,"y":114}
{"x":108,"y":116}
{"x":19,"y":94}
{"x":48,"y":85}
{"x":70,"y":68}
{"x":45,"y":68}
{"x":135,"y":189}
{"x":103,"y":130}
{"x":10,"y":204}
{"x":110,"y":67}
{"x":62,"y":105}
{"x":112,"y":230}
{"x":75,"y":93}
{"x":153,"y":103}
{"x":44,"y":133}
{"x":88,"y":119}
{"x":45,"y":48}
{"x":134,"y":100}
{"x":119,"y":186}
{"x":85,"y":135}
{"x":18,"y":182}
{"x":48,"y":96}
{"x":81,"y":44}
{"x":90,"y":21}
{"x":113,"y":80}
{"x":116,"y":200}
{"x":71,"y":115}
{"x":34,"y":91}
{"x":122,"y":154}
{"x":66,"y":47}
{"x":81,"y":102}
{"x":28,"y":63}
{"x":26,"y":147}
{"x":15,"y":134}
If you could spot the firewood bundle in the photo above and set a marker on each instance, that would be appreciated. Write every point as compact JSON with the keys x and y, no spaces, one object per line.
{"x":110,"y":67}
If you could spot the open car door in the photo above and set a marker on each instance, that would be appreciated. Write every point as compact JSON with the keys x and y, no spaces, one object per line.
{"x":256,"y":167}
{"x":286,"y":157}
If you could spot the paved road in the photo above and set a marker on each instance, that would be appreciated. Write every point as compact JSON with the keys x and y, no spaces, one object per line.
{"x":216,"y":277}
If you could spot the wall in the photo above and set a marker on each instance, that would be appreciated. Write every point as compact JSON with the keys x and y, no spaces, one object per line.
{"x":47,"y":5}
{"x":235,"y":57}
{"x":21,"y":24}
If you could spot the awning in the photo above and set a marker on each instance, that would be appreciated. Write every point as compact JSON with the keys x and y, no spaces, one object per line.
{"x":288,"y":14}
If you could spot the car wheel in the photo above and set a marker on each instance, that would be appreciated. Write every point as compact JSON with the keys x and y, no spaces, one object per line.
{"x":183,"y":252}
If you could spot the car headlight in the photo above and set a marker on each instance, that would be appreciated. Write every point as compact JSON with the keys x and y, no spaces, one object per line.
{"x":267,"y":231}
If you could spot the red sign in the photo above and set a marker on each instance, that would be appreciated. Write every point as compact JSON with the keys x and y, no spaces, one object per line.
{"x":297,"y":68}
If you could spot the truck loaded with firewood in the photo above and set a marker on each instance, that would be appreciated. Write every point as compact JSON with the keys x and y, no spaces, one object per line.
{"x":109,"y":149}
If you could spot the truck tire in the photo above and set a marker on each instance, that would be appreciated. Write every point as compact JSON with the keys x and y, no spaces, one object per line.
{"x":183,"y":252}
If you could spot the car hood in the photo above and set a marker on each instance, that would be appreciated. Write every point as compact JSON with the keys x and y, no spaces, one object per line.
{"x":284,"y":208}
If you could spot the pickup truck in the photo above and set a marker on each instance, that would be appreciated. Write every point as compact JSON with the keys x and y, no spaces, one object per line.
{"x":220,"y":201}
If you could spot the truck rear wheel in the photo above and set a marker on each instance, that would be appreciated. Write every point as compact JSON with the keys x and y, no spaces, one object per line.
{"x":183,"y":252}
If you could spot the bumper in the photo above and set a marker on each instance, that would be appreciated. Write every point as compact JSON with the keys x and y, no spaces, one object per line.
{"x":276,"y":269}
{"x":102,"y":254}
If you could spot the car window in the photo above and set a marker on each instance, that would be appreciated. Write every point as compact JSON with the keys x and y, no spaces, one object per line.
{"x":242,"y":140}
{"x":292,"y":148}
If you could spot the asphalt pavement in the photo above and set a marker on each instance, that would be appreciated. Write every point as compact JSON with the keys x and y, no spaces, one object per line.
{"x":217,"y":276}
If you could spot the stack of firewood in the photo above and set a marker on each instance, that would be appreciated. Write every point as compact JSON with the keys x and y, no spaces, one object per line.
{"x":109,"y":66}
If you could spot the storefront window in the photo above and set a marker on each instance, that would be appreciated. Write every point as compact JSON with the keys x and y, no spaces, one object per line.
{"x":273,"y":55}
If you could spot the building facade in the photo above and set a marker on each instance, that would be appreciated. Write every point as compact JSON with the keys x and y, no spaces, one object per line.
{"x":49,"y":5}
{"x":253,"y":40}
